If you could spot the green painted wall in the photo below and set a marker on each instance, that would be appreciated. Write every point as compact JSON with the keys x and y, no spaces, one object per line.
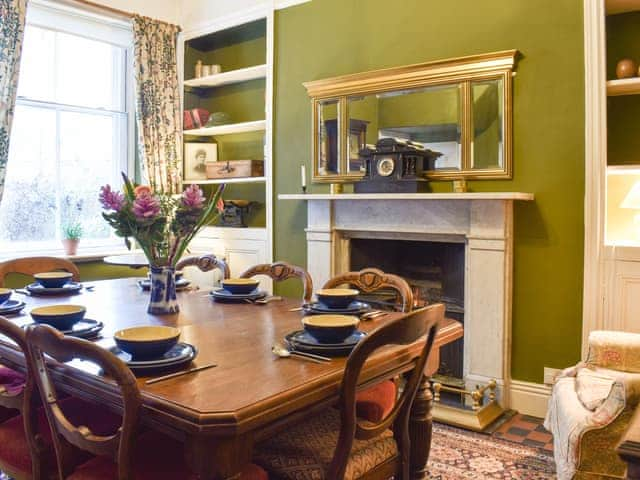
{"x":623,"y":41}
{"x":324,"y":38}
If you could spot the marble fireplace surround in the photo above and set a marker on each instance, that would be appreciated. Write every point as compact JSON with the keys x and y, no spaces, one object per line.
{"x":482,"y":221}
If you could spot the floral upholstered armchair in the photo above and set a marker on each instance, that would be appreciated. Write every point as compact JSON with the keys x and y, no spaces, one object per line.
{"x":592,"y":404}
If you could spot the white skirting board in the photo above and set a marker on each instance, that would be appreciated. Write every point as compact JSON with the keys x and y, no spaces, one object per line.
{"x":529,"y":398}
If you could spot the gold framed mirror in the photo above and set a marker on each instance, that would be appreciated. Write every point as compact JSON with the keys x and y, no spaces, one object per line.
{"x":459,"y":108}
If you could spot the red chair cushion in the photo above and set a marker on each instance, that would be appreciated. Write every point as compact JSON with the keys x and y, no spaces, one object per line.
{"x":14,"y":449}
{"x":157,"y":457}
{"x":376,"y":402}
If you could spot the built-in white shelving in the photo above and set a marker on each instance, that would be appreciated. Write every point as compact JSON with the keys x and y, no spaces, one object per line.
{"x":625,"y":86}
{"x":228,"y":78}
{"x":218,"y":181}
{"x":229,"y":129}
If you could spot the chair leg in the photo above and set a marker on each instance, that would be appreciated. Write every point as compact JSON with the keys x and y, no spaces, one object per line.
{"x":420,"y":425}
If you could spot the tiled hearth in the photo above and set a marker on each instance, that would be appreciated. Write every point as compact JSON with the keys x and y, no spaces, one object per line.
{"x":483,"y":222}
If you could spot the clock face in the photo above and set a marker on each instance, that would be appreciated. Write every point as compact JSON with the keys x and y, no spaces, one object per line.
{"x":385,"y":166}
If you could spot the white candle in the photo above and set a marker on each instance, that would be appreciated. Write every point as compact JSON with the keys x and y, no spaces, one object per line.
{"x":303,"y":173}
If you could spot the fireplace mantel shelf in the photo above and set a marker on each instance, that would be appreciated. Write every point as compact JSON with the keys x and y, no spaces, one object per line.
{"x":410,"y":196}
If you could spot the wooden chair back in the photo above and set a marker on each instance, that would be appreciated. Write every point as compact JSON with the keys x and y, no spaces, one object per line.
{"x":371,"y":279}
{"x":43,"y":339}
{"x":418,"y":325}
{"x":31,"y":265}
{"x":26,"y":402}
{"x":205,"y":263}
{"x":280,"y":271}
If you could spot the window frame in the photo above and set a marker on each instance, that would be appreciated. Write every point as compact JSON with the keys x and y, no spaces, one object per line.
{"x":66,"y":19}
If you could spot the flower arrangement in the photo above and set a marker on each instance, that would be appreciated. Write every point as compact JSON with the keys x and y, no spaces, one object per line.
{"x":163,"y":225}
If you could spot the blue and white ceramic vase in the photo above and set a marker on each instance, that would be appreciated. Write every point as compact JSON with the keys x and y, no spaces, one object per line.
{"x":162,"y":299}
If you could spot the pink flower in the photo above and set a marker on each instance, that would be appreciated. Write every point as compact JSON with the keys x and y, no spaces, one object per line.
{"x":146,"y":206}
{"x":111,"y":200}
{"x":193,"y":197}
{"x":220,"y":205}
{"x":141,"y":190}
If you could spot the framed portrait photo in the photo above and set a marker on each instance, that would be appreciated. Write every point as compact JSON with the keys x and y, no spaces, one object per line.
{"x":196,"y":157}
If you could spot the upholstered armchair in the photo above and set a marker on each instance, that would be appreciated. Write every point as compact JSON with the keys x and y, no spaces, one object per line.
{"x":591,"y":405}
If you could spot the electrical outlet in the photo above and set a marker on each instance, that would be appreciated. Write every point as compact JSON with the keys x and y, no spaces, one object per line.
{"x":550,"y":375}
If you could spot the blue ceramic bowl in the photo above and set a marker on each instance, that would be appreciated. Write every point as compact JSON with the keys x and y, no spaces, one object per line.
{"x":62,"y":317}
{"x":240,"y":286}
{"x":5,"y":294}
{"x":337,"y":297}
{"x":147,"y":342}
{"x":330,"y":328}
{"x":53,"y":279}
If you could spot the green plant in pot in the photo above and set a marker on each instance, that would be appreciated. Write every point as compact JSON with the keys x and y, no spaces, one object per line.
{"x":71,"y":235}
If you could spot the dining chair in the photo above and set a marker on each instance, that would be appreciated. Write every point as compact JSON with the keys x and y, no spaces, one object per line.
{"x":336,"y":444}
{"x":31,"y":265}
{"x":26,"y":447}
{"x":280,"y":271}
{"x":205,"y":263}
{"x":121,"y":453}
{"x":376,"y":402}
{"x":370,"y":280}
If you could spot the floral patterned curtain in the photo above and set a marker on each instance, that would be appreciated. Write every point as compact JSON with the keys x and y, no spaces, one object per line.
{"x":158,"y":112}
{"x":12,"y":18}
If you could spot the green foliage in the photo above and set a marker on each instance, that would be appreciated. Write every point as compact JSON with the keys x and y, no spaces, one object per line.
{"x":72,"y":231}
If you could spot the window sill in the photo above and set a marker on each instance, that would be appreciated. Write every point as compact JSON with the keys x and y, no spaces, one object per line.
{"x":84,"y":255}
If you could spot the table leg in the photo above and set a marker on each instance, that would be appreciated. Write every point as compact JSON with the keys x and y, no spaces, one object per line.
{"x":213,"y":458}
{"x":420,"y":430}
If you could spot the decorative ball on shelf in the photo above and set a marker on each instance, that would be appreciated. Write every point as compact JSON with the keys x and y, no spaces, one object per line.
{"x":626,"y":68}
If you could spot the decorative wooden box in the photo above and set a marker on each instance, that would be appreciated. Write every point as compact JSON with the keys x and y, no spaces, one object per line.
{"x":235,"y":169}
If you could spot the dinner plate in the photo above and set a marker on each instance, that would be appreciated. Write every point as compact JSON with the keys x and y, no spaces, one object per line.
{"x":181,"y":353}
{"x":37,"y":289}
{"x":85,"y":328}
{"x":354,"y":308}
{"x":11,"y":306}
{"x":301,"y":340}
{"x":145,"y":284}
{"x":225,"y":295}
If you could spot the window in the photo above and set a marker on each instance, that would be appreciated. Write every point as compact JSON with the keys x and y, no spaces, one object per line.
{"x":71,"y":131}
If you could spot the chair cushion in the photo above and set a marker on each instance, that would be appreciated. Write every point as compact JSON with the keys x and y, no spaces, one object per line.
{"x":14,"y":449}
{"x":375,"y":403}
{"x":593,"y":387}
{"x":157,"y":457}
{"x":305,"y":451}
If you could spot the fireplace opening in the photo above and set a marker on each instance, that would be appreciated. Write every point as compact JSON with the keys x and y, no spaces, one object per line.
{"x":435,"y":272}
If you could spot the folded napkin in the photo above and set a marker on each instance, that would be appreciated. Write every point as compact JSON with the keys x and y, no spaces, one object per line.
{"x":11,"y":382}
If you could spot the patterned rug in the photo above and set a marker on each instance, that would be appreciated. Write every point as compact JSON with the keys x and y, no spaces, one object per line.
{"x":458,"y":454}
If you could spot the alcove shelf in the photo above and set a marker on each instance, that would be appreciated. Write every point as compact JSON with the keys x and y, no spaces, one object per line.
{"x":254,"y":126}
{"x":218,"y":181}
{"x":625,"y":86}
{"x":228,"y":78}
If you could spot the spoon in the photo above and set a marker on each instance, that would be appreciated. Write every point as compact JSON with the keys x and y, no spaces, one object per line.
{"x":284,"y":352}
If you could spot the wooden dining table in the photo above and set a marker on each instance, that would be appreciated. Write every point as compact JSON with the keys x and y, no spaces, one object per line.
{"x":220,"y":413}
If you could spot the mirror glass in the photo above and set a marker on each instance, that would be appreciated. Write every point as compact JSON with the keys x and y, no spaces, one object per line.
{"x":430,"y":116}
{"x":488,"y":136}
{"x":328,"y":134}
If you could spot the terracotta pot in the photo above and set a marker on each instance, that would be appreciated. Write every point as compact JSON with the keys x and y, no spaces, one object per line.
{"x":70,"y":245}
{"x":626,"y":68}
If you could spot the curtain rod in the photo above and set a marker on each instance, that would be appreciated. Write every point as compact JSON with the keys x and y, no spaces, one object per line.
{"x":116,"y":11}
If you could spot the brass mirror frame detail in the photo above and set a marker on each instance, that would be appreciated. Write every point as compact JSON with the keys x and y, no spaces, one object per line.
{"x":463,"y":71}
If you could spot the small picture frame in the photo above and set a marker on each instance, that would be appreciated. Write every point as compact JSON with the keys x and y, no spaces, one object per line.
{"x":196,"y":157}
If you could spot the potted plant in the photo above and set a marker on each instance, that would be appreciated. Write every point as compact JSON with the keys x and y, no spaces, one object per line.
{"x":71,"y":234}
